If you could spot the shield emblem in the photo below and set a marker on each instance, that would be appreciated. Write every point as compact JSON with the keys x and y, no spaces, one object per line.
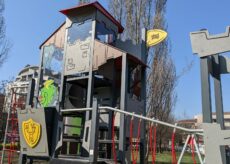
{"x":31,"y":132}
{"x":155,"y":36}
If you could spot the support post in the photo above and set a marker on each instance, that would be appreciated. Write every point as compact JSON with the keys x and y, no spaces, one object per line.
{"x":122,"y":131}
{"x":40,"y":78}
{"x":91,"y":75}
{"x":205,"y":87}
{"x":183,"y":150}
{"x":93,"y":147}
{"x":197,"y":149}
{"x":144,"y":55}
{"x":58,"y":138}
{"x":208,"y":47}
{"x":218,"y":99}
{"x":29,"y":103}
{"x":22,"y":159}
{"x":111,"y":113}
{"x":62,"y":89}
{"x":218,"y":91}
{"x":30,"y":93}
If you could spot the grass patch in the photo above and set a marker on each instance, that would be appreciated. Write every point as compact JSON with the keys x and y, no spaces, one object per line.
{"x":166,"y":157}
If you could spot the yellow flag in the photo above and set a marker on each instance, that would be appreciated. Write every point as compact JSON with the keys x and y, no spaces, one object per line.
{"x":155,"y":36}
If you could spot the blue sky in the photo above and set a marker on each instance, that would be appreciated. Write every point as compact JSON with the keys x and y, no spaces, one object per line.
{"x":29,"y":23}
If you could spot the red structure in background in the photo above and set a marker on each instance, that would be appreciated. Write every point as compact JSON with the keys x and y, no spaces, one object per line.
{"x":174,"y":160}
{"x":152,"y":145}
{"x":11,"y":145}
{"x":2,"y":121}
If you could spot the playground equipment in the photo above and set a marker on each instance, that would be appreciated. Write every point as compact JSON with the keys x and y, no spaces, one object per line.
{"x":90,"y":89}
{"x":15,"y":100}
{"x":96,"y":64}
{"x":209,"y":48}
{"x":2,"y":117}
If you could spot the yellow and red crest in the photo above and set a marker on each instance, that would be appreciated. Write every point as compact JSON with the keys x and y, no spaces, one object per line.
{"x":31,"y":132}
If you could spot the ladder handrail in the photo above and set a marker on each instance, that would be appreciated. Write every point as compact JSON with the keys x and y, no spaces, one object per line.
{"x":137,"y":116}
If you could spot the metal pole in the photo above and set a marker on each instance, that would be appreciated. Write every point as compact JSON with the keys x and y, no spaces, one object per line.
{"x":40,"y":77}
{"x":152,"y":120}
{"x":206,"y":93}
{"x":197,"y":131}
{"x":174,"y":130}
{"x":75,"y":110}
{"x":62,"y":89}
{"x":144,"y":55}
{"x":218,"y":91}
{"x":93,"y":146}
{"x":197,"y":149}
{"x":122,"y":131}
{"x":91,"y":74}
{"x":218,"y":99}
{"x":111,"y":113}
{"x":30,"y":93}
{"x":4,"y":141}
{"x":183,"y":150}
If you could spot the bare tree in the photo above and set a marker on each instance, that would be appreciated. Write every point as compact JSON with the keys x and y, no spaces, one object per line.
{"x":4,"y":43}
{"x":161,"y":78}
{"x":4,"y":83}
{"x":83,"y":1}
{"x":117,"y":9}
{"x":133,"y":15}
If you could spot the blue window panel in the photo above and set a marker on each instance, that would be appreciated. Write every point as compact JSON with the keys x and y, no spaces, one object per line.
{"x":79,"y":32}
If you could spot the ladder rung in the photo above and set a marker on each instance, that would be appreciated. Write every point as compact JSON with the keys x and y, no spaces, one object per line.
{"x":21,"y":94}
{"x":72,"y":137}
{"x":72,"y":140}
{"x":108,"y":141}
{"x":16,"y":151}
{"x":12,"y":135}
{"x":14,"y":119}
{"x":74,"y":126}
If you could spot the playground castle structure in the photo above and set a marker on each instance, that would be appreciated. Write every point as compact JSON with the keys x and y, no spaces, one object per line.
{"x":92,"y":85}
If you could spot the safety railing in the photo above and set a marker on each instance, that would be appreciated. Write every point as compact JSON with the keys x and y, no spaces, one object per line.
{"x":137,"y":116}
{"x":191,"y":132}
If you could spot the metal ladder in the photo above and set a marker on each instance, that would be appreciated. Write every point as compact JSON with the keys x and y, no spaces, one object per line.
{"x":2,"y":123}
{"x":11,"y":137}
